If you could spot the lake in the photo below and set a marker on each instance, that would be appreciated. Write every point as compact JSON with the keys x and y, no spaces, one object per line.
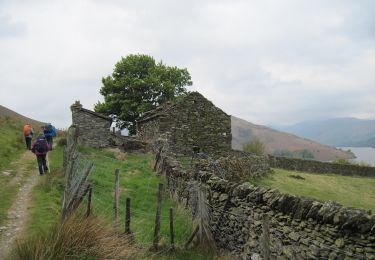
{"x":365,"y":154}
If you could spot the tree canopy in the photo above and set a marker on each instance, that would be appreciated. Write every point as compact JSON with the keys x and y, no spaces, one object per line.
{"x":139,"y":84}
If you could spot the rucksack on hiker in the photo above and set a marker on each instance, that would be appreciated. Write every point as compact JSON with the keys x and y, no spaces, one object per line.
{"x":41,"y":146}
{"x":26,"y":130}
{"x":48,"y":128}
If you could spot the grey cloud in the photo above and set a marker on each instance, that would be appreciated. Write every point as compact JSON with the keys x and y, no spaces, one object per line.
{"x":228,"y":46}
{"x":8,"y":28}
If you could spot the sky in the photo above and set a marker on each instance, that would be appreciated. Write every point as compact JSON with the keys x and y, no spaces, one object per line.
{"x":270,"y":62}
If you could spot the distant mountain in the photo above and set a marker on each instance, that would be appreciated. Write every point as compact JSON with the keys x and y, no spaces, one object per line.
{"x":336,"y":131}
{"x":243,"y":132}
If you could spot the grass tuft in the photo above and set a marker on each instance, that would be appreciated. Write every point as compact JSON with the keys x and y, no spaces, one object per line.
{"x":76,"y":238}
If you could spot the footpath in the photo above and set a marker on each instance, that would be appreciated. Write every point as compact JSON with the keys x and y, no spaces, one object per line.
{"x":19,"y":212}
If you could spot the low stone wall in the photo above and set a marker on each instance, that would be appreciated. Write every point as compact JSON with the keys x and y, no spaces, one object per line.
{"x":299,"y":228}
{"x":320,"y":167}
{"x":128,"y":143}
{"x":237,"y":167}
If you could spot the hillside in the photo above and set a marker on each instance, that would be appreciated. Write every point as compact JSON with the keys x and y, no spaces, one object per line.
{"x":336,"y":131}
{"x":18,"y":118}
{"x":243,"y":131}
{"x":11,"y":137}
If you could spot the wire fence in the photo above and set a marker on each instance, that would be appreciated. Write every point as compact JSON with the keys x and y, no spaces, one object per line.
{"x":87,"y":186}
{"x":76,"y":171}
{"x":108,"y":202}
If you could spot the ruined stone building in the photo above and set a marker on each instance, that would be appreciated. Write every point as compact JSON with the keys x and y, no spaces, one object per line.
{"x":93,"y":128}
{"x":191,"y":121}
{"x":94,"y":131}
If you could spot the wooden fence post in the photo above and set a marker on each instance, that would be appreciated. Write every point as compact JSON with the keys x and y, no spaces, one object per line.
{"x":127,"y":216}
{"x":116,"y":200}
{"x":157,"y":219}
{"x":88,"y":212}
{"x":171,"y":227}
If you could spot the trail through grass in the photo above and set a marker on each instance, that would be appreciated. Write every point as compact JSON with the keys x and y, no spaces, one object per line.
{"x":350,"y":191}
{"x":12,"y":179}
{"x":47,"y":195}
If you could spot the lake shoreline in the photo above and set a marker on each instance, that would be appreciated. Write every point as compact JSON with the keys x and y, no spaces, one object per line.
{"x":363,"y":154}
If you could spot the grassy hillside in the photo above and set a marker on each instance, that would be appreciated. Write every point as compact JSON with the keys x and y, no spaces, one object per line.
{"x":350,"y":191}
{"x":275,"y":141}
{"x":12,"y":142}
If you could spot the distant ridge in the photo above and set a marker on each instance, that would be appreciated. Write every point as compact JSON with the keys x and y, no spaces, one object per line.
{"x":343,"y":132}
{"x":16,"y":117}
{"x":243,"y":131}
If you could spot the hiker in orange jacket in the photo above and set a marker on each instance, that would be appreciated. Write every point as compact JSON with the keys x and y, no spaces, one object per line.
{"x":40,"y":148}
{"x":28,"y":132}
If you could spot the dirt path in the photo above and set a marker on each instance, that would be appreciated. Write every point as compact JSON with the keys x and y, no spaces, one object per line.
{"x":18,"y":214}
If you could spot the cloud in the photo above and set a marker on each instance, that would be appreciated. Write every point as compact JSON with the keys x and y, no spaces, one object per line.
{"x":9,"y":28}
{"x":269,"y":61}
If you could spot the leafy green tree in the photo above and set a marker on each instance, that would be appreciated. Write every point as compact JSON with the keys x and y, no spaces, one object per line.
{"x":282,"y":153}
{"x":341,"y":160}
{"x":139,"y":84}
{"x":255,"y":146}
{"x":303,"y":154}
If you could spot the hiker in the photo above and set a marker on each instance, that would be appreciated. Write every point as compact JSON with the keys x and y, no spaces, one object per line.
{"x":49,"y":132}
{"x":40,"y":148}
{"x":28,"y":132}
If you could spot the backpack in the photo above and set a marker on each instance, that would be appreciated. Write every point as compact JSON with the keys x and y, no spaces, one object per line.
{"x":41,"y":146}
{"x":48,"y":128}
{"x":26,"y":130}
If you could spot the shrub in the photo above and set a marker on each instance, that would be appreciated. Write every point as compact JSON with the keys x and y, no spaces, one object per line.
{"x":62,"y":141}
{"x":341,"y":160}
{"x":255,"y":146}
{"x":282,"y":153}
{"x":364,"y":164}
{"x":303,"y":154}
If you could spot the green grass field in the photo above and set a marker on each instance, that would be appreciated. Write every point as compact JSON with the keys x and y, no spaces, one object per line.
{"x":350,"y":191}
{"x":137,"y":181}
{"x":140,"y":183}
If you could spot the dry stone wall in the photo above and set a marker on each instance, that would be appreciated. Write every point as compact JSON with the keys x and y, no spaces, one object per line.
{"x":237,"y":167}
{"x":320,"y":167}
{"x":299,"y":228}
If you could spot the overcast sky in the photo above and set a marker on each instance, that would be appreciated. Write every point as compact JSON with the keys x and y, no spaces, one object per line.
{"x":268,"y":61}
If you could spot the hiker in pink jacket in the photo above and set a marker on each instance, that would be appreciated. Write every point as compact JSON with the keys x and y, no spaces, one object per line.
{"x":40,"y":147}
